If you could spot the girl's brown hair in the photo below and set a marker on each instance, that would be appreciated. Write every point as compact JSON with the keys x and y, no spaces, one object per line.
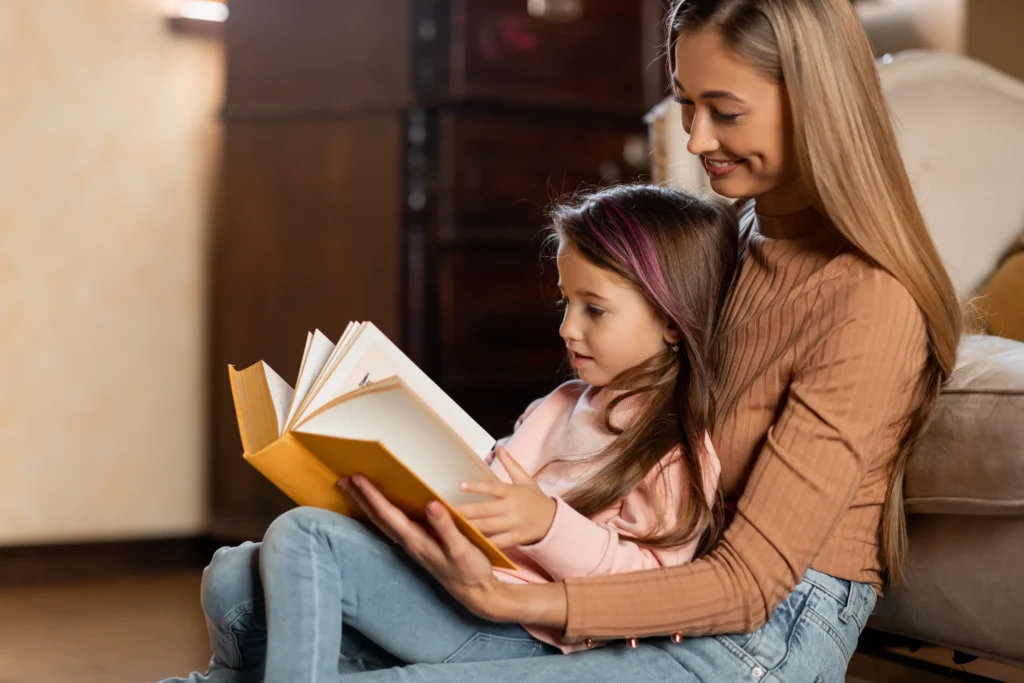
{"x":679,"y":251}
{"x":847,"y":158}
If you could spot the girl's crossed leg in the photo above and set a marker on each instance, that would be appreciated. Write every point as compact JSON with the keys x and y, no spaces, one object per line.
{"x":323,"y":596}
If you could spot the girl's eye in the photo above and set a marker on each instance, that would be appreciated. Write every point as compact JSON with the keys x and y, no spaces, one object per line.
{"x":594,"y":312}
{"x":562,"y":304}
{"x":725,"y":117}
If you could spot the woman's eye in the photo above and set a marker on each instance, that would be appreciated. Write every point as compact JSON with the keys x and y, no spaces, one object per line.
{"x":725,"y":117}
{"x":594,"y":312}
{"x":562,"y":304}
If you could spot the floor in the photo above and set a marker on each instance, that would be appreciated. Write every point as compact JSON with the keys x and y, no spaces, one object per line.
{"x":148,"y":628}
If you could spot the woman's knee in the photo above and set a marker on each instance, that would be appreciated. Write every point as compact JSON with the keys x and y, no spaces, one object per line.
{"x":231,"y":583}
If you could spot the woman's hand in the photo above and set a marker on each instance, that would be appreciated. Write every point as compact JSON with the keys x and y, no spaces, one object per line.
{"x":455,"y":562}
{"x":460,"y":566}
{"x":520,"y":514}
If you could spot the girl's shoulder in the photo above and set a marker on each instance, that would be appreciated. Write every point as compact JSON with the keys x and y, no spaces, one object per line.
{"x":563,"y":399}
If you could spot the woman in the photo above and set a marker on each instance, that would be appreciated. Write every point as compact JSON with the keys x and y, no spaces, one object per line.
{"x":838,"y":332}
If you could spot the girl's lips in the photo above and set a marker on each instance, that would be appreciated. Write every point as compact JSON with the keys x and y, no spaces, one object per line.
{"x":578,"y":359}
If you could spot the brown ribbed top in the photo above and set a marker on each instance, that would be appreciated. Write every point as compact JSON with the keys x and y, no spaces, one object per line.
{"x":817,"y":361}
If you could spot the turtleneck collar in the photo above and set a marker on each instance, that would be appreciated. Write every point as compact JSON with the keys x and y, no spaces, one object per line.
{"x":791,"y":226}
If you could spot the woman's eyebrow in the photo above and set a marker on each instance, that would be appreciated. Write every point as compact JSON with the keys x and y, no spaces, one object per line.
{"x":709,"y":94}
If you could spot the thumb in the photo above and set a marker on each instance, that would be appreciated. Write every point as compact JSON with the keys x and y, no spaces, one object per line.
{"x":515,"y":471}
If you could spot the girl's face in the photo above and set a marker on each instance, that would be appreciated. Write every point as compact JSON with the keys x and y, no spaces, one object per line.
{"x":739,"y":124}
{"x":608,"y":326}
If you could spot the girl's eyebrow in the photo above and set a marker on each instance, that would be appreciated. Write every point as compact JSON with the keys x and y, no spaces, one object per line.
{"x":586,"y":292}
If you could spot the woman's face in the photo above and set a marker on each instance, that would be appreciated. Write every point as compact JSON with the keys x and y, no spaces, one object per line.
{"x":739,"y":124}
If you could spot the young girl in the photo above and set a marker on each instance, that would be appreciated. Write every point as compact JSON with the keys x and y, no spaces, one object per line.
{"x":613,"y":472}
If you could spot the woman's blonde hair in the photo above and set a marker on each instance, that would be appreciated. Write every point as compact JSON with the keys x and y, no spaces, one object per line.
{"x":847,"y":159}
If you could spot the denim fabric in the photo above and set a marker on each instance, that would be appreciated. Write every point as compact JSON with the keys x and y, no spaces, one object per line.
{"x":340,"y":601}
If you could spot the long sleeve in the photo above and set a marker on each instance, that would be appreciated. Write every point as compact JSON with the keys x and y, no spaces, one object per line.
{"x":578,"y":546}
{"x":854,"y":378}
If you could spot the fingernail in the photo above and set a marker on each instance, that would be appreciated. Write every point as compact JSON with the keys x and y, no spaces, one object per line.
{"x":463,"y":486}
{"x":434,"y":508}
{"x":344,"y":483}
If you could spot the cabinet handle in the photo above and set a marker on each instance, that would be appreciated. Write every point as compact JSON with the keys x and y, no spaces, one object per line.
{"x":555,"y":10}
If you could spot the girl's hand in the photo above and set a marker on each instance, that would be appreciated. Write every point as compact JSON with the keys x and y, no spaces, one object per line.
{"x":521,"y":513}
{"x":458,"y":565}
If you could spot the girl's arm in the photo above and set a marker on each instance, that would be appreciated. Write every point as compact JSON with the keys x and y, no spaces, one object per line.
{"x":576,"y":546}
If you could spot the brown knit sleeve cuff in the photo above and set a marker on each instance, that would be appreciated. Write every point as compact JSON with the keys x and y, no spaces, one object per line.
{"x":575,"y":612}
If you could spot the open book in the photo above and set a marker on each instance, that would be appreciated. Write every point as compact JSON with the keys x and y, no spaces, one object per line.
{"x":362,"y":407}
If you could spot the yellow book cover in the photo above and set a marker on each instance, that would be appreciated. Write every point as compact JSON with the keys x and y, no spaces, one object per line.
{"x":378,"y":424}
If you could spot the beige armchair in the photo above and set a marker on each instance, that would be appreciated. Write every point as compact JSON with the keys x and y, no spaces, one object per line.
{"x":961,"y":131}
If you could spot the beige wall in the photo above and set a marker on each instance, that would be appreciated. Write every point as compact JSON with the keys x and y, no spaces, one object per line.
{"x":108,"y":137}
{"x":894,"y":25}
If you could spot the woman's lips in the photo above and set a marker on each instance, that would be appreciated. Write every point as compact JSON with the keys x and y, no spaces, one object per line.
{"x":722,"y":167}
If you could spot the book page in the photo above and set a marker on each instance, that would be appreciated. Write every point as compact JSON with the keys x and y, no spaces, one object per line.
{"x":318,"y":350}
{"x":350,"y":333}
{"x":280,"y":394}
{"x":475,"y":436}
{"x":373,"y":357}
{"x":394,"y":417}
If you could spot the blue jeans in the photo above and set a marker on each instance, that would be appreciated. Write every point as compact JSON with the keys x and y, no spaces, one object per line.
{"x":404,"y":617}
{"x":809,"y":639}
{"x":324,"y":596}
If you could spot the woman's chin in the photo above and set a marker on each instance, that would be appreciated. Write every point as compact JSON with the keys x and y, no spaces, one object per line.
{"x":731,"y":186}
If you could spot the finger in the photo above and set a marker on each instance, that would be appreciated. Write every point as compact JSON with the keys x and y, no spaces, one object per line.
{"x":515,"y":471}
{"x":455,"y":545}
{"x":496,"y":489}
{"x":505,"y":540}
{"x":411,"y":536}
{"x":494,"y":508}
{"x":364,"y":505}
{"x":493,"y":525}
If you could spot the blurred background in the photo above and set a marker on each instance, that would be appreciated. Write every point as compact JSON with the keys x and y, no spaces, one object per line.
{"x":185,"y":185}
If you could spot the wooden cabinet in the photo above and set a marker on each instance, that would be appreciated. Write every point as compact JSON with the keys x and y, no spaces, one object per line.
{"x":391,"y":160}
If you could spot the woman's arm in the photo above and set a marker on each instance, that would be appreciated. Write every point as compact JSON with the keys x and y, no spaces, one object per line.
{"x":850,"y":387}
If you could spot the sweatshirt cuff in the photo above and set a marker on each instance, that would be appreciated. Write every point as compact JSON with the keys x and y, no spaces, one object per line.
{"x":573,"y":546}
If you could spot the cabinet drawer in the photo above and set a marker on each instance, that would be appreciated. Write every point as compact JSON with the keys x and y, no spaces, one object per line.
{"x":580,"y":53}
{"x":497,"y":319}
{"x":499,"y":173}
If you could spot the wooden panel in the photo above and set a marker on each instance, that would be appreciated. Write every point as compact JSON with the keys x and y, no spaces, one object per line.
{"x":20,"y":565}
{"x":309,"y":236}
{"x":500,"y":171}
{"x":497,"y":319}
{"x":581,"y":53}
{"x":284,"y":55}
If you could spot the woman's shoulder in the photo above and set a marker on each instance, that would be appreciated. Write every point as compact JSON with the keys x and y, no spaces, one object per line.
{"x":864,"y":282}
{"x":857,"y":290}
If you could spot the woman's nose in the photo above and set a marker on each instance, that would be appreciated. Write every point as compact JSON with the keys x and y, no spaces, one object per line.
{"x":702,"y":140}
